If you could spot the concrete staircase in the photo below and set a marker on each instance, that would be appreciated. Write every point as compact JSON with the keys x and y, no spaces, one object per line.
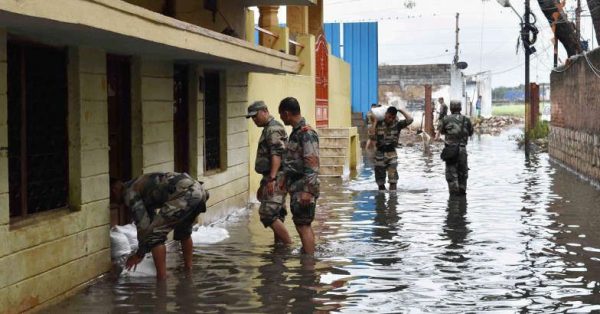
{"x":336,"y":151}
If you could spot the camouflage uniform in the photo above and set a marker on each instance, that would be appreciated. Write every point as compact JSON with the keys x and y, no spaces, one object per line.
{"x":386,"y":159}
{"x":161,"y":202}
{"x":457,"y":134}
{"x":271,"y":143}
{"x":301,"y":169}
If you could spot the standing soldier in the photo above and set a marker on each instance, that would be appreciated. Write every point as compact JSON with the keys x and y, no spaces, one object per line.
{"x":443,"y":109}
{"x":160,"y":203}
{"x":271,"y":146}
{"x":457,"y":129}
{"x":386,"y":135}
{"x":301,"y":171}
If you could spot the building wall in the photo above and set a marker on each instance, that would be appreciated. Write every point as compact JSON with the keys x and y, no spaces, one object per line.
{"x":228,"y":188}
{"x":574,"y":130}
{"x":340,"y":110}
{"x":50,"y":253}
{"x":272,"y":89}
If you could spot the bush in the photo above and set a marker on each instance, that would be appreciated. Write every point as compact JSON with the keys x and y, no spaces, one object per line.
{"x":541,"y":130}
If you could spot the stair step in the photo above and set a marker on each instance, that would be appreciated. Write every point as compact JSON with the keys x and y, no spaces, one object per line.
{"x":331,"y":171}
{"x":334,"y":132}
{"x":333,"y":151}
{"x":332,"y":161}
{"x":334,"y":142}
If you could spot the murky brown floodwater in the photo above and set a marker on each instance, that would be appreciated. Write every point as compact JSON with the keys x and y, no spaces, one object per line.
{"x":524,"y":239}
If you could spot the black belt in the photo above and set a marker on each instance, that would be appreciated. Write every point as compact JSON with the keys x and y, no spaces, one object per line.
{"x":387,"y":148}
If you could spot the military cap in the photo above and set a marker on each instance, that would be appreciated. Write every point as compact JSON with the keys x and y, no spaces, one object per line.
{"x":255,"y":107}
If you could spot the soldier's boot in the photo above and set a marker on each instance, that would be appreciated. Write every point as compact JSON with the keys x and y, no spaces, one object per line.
{"x":393,"y":186}
{"x":381,"y":187}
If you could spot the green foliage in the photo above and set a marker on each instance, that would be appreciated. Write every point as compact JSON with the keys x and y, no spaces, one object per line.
{"x":541,"y":130}
{"x":512,"y":110}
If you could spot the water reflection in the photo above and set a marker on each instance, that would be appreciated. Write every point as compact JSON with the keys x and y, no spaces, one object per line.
{"x":524,"y":239}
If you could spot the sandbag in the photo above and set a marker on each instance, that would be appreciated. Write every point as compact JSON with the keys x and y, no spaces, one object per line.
{"x":130,"y":231}
{"x":208,"y":235}
{"x":379,"y":112}
{"x":119,"y":244}
{"x":145,"y":268}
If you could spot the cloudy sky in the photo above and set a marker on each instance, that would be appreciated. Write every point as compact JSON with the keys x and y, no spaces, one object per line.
{"x":425,"y":34}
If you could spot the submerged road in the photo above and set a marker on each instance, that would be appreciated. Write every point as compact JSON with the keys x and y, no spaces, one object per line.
{"x":525,"y":238}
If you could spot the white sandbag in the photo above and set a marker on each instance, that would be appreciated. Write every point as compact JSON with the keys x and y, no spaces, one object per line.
{"x":119,"y":244}
{"x":145,"y":268}
{"x":208,"y":235}
{"x":130,"y":231}
{"x":379,"y":112}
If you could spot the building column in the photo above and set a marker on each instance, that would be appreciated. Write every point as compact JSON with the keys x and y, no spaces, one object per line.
{"x":297,"y":19}
{"x":315,"y":18}
{"x":267,"y":20}
{"x":428,"y":112}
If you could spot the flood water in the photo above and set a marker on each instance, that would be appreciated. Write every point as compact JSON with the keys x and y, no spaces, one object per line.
{"x":525,"y":239}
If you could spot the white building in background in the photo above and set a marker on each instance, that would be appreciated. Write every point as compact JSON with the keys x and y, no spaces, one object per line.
{"x":476,"y":86}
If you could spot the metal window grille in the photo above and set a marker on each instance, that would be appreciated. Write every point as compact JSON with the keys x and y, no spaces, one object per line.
{"x":37,"y":128}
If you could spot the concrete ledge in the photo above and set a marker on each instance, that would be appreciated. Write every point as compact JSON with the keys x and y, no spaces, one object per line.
{"x":125,"y":28}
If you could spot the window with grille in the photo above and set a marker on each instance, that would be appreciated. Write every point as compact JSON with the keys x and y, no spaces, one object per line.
{"x":37,"y":128}
{"x":214,"y":121}
{"x":181,"y":129}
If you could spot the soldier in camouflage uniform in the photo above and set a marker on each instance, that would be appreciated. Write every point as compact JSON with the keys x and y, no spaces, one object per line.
{"x":161,"y":203}
{"x":385,"y":134}
{"x":271,"y":147}
{"x":301,"y":171}
{"x":457,"y":130}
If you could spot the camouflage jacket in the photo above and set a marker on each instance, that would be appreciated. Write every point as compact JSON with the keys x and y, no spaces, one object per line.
{"x":387,"y":135}
{"x":148,"y":193}
{"x":271,"y":143}
{"x":301,"y":162}
{"x":451,"y":127}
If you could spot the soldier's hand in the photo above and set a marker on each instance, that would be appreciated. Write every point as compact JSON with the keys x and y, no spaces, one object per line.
{"x":132,"y":262}
{"x":282,"y":184}
{"x":305,"y":198}
{"x":270,"y":187}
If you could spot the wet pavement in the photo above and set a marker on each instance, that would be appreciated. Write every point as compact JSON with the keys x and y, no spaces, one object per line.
{"x":525,"y":239}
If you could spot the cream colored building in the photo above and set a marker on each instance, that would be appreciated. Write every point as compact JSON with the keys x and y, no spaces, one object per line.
{"x":91,"y":89}
{"x":340,"y":149}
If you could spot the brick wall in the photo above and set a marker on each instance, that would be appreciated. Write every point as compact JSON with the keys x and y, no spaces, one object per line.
{"x":575,"y":128}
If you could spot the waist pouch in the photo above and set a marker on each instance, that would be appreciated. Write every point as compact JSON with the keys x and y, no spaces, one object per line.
{"x":450,"y":153}
{"x":387,"y":148}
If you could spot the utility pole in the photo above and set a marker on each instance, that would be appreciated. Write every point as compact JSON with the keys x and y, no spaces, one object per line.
{"x":525,"y":35}
{"x":578,"y":19}
{"x":456,"y":46}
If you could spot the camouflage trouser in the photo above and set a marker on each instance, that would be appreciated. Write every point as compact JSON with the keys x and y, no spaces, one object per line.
{"x":386,"y":162}
{"x":179,"y":212}
{"x":272,"y":206}
{"x":302,"y":215}
{"x":457,"y":173}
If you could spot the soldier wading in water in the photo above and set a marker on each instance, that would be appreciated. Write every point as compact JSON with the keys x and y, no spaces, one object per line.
{"x":457,"y":130}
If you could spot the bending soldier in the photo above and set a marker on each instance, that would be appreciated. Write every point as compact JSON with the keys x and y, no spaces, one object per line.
{"x":457,"y":130}
{"x":271,"y":146}
{"x":386,"y":134}
{"x":160,"y":203}
{"x":301,"y":171}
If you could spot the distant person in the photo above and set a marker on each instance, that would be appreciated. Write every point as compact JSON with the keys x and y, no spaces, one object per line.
{"x":271,"y":147}
{"x":457,"y":130}
{"x":478,"y":106}
{"x":160,"y":203}
{"x":385,"y":135}
{"x":301,"y":171}
{"x":443,"y":109}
